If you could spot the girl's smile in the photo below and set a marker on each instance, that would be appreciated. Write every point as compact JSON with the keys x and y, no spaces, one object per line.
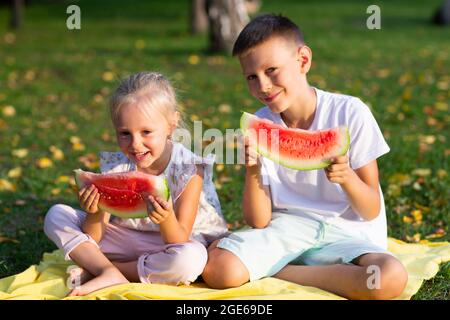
{"x":140,"y":156}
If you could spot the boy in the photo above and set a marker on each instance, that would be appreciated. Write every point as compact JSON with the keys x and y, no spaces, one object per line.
{"x":321,"y":228}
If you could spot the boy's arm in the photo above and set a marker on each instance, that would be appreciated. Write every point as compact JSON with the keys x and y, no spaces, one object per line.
{"x":256,"y":203}
{"x":360,"y":185}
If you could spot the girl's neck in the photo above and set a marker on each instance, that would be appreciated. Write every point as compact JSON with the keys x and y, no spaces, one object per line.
{"x":160,"y":164}
{"x":301,"y":115}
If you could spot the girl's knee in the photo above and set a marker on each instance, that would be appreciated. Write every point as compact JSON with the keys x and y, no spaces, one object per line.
{"x":53,"y":215}
{"x":178,"y":264}
{"x":60,"y":216}
{"x":190,"y":260}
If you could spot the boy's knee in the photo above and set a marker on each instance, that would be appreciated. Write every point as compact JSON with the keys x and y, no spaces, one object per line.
{"x":393,"y":279}
{"x":224,"y":270}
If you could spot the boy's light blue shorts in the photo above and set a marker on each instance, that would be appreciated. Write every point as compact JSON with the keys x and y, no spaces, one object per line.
{"x":290,"y":239}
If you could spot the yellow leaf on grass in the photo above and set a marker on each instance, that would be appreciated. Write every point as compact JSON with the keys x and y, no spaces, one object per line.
{"x":224,"y":108}
{"x":417,"y":214}
{"x":415,"y":238}
{"x":5,"y":185}
{"x":15,"y":172}
{"x":407,"y":219}
{"x":44,"y":163}
{"x":193,"y":59}
{"x":62,"y":179}
{"x":139,"y":44}
{"x":6,"y":239}
{"x":441,"y":173}
{"x":421,"y":172}
{"x":56,"y":153}
{"x":8,"y":111}
{"x":20,"y":153}
{"x":400,"y":178}
{"x":437,"y":234}
{"x":108,"y":76}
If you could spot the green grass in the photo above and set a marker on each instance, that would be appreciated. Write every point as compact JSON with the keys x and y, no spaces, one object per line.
{"x":53,"y":78}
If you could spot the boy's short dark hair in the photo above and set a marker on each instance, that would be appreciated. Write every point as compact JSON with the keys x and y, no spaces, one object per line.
{"x":264,"y":27}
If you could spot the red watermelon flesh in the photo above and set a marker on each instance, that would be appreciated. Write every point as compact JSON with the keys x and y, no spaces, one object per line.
{"x":295,"y":148}
{"x":121,"y":194}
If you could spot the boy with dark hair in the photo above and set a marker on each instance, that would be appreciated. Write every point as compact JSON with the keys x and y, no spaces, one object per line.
{"x":321,"y":228}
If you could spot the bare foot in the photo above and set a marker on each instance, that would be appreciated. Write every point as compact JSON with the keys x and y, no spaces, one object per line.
{"x":109,"y":277}
{"x":77,"y":277}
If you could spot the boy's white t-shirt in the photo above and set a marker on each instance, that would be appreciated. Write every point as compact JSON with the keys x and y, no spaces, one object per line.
{"x":310,"y":193}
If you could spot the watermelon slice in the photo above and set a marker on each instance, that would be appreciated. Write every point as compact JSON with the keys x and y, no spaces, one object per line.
{"x":121,"y":194}
{"x":295,"y":148}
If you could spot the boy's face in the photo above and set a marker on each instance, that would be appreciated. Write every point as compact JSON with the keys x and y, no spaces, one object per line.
{"x":275,"y":72}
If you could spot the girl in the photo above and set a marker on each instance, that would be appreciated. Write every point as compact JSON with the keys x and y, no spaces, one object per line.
{"x":170,"y":245}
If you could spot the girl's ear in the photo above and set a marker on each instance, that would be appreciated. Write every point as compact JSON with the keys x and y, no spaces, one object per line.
{"x":175,"y":120}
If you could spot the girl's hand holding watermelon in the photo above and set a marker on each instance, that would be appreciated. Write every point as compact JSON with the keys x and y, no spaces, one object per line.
{"x":339,"y":171}
{"x":159,"y":210}
{"x":89,"y":197}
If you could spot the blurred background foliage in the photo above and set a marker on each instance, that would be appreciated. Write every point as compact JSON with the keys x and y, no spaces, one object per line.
{"x":55,"y":84}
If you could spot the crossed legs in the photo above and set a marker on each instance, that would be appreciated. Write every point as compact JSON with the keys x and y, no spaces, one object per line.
{"x":225,"y":270}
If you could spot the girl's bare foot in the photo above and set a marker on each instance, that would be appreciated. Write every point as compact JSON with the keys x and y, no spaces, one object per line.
{"x":109,"y":277}
{"x":77,"y":276}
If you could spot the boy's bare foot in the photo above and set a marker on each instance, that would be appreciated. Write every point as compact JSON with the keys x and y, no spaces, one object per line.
{"x":109,"y":277}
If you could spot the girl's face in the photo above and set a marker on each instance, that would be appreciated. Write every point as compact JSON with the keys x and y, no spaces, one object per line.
{"x":143,"y":138}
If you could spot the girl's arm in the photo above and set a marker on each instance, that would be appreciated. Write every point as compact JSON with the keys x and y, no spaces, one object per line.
{"x":176,"y":224}
{"x":360,"y":185}
{"x":94,"y":225}
{"x":256,"y":202}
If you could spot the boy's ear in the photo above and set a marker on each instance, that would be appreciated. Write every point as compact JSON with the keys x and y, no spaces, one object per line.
{"x":304,"y":56}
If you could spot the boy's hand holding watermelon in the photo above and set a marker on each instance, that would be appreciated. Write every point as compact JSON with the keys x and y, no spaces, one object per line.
{"x":251,"y":155}
{"x":339,"y":170}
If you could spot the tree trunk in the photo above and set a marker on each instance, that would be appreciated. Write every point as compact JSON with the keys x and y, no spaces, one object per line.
{"x":226,"y":20}
{"x":16,"y":14}
{"x":442,"y":14}
{"x":198,"y":20}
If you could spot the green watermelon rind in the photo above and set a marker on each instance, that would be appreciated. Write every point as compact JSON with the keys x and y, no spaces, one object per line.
{"x":247,"y":118}
{"x":164,"y":191}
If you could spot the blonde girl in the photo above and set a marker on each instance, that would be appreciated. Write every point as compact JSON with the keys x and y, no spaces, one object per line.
{"x":168,"y":246}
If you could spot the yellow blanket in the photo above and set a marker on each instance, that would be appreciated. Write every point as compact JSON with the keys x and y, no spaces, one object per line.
{"x":48,"y":280}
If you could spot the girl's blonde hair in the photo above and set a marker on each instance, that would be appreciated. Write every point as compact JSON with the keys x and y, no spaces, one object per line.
{"x":151,"y":92}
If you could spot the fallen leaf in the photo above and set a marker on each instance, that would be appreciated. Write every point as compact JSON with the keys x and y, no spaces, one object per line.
{"x":108,"y":76}
{"x":6,"y":239}
{"x":193,"y":59}
{"x":44,"y":162}
{"x":57,"y":153}
{"x":5,"y":185}
{"x":8,"y":111}
{"x":15,"y":173}
{"x":20,"y":153}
